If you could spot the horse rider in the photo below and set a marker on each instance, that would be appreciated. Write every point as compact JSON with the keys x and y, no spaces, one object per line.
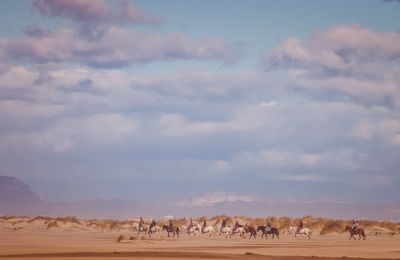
{"x":236,"y":226}
{"x":171,"y":225}
{"x":300,"y":226}
{"x":204,"y":225}
{"x":141,"y":222}
{"x":355,"y":225}
{"x":190,"y":224}
{"x":152,"y":224}
{"x":223,"y":225}
{"x":268,"y":227}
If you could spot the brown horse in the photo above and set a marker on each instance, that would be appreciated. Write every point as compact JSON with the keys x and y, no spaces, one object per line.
{"x":251,"y":230}
{"x":174,"y":230}
{"x":274,"y":231}
{"x":359,"y":231}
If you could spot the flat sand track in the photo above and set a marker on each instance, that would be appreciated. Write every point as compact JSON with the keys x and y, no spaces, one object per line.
{"x":61,"y":244}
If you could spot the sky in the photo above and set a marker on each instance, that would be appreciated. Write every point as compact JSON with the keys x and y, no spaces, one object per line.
{"x":154,"y":100}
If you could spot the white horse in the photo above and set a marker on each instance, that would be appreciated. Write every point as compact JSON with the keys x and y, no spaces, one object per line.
{"x":239,"y":231}
{"x":135,"y":227}
{"x":155,"y":229}
{"x":190,"y":230}
{"x":303,"y":231}
{"x":208,"y":229}
{"x":144,"y":228}
{"x":225,"y":230}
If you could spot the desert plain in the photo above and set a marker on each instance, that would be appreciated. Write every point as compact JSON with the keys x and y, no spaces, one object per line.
{"x":70,"y":238}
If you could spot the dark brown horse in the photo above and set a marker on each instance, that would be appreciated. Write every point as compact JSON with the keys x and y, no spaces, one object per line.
{"x":358,"y":231}
{"x":174,"y":230}
{"x":251,"y":230}
{"x":273,"y":231}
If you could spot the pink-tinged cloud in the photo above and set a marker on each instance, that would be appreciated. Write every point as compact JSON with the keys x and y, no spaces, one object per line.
{"x":112,"y":47}
{"x":350,"y":60}
{"x":96,"y":11}
{"x":136,"y":15}
{"x":341,"y":47}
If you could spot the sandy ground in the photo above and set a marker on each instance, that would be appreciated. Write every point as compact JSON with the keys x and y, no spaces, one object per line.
{"x":77,"y":244}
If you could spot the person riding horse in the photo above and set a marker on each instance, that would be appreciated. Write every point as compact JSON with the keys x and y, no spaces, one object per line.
{"x":152,"y":224}
{"x":300,"y":226}
{"x":355,"y":225}
{"x":268,"y":227}
{"x":140,"y":226}
{"x":204,"y":225}
{"x":190,"y":224}
{"x":223,"y":225}
{"x":237,"y":225}
{"x":171,"y":225}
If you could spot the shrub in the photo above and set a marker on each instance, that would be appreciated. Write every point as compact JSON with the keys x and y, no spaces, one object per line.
{"x":120,"y":238}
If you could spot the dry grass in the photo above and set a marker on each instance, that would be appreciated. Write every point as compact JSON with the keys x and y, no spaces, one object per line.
{"x":333,"y":226}
{"x":68,"y":220}
{"x":322,"y":225}
{"x":120,"y":238}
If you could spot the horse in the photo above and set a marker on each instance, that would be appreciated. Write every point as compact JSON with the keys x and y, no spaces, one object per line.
{"x":303,"y":231}
{"x":135,"y":227}
{"x":359,"y":231}
{"x":174,"y":230}
{"x":274,"y":231}
{"x":238,"y":230}
{"x":154,"y":229}
{"x":208,"y":229}
{"x":225,"y":230}
{"x":191,"y":230}
{"x":251,"y":230}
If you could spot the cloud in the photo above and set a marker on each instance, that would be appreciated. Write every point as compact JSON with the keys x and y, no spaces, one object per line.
{"x":96,"y":11}
{"x":113,"y":47}
{"x":348,"y":61}
{"x":67,"y":134}
{"x":134,"y":14}
{"x":216,"y":129}
{"x":341,"y":47}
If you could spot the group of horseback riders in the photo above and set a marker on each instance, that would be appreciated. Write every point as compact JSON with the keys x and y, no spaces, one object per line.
{"x":141,"y":223}
{"x":223,"y":225}
{"x":191,"y":224}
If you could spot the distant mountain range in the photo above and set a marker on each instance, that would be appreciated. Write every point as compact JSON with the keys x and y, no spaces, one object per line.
{"x":17,"y":198}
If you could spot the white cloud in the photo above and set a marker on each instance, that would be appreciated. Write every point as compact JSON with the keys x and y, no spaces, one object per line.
{"x":116,"y":47}
{"x":351,"y":60}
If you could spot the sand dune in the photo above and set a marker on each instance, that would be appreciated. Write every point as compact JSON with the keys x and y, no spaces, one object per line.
{"x":320,"y":226}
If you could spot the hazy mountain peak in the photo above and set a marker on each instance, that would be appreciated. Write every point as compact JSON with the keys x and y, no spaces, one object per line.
{"x":12,"y":189}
